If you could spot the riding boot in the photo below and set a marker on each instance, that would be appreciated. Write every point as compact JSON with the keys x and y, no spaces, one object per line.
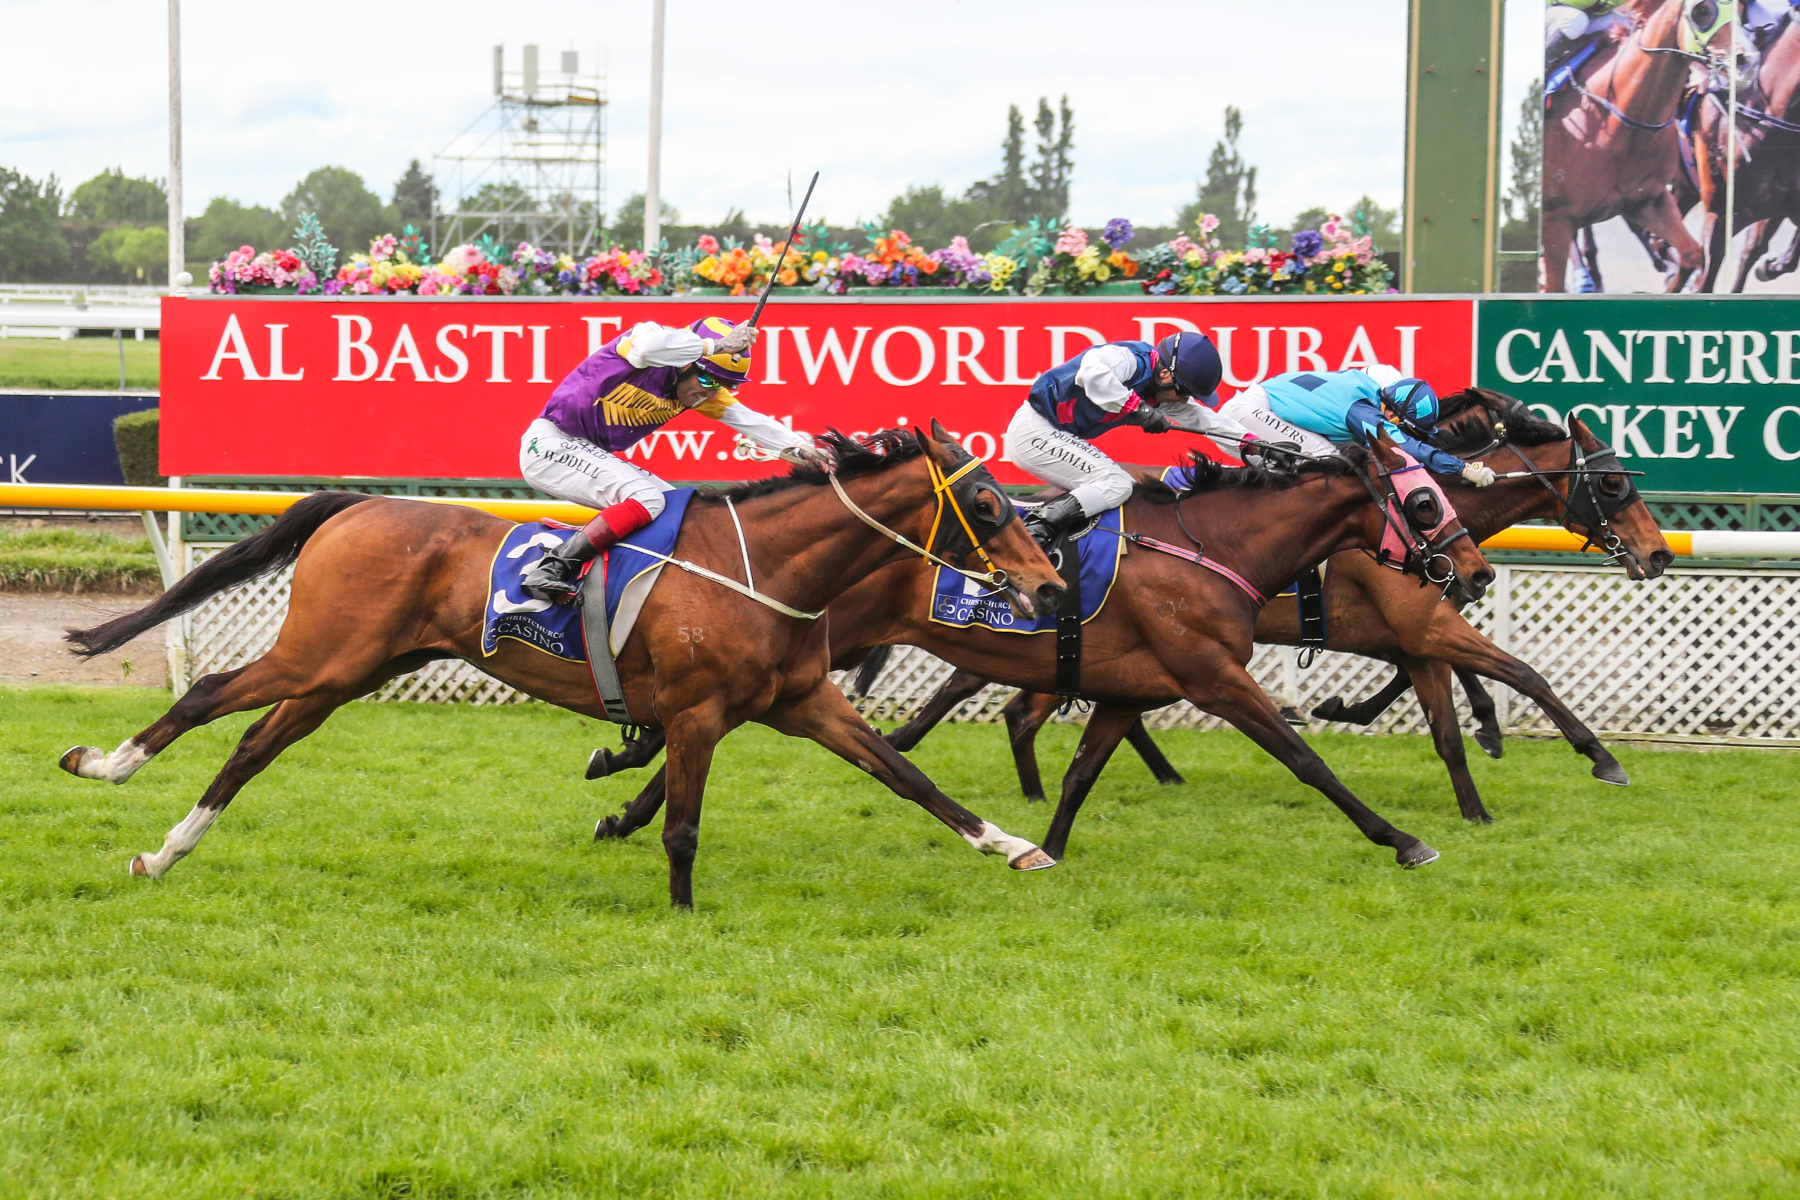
{"x":1057,"y":516}
{"x":555,"y":574}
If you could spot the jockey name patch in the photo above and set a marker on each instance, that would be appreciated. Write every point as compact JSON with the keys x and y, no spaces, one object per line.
{"x":960,"y":601}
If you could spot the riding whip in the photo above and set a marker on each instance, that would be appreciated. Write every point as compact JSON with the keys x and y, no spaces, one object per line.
{"x":792,"y":234}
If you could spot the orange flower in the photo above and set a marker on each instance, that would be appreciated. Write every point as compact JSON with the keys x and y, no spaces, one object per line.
{"x":927,"y":266}
{"x":789,"y":277}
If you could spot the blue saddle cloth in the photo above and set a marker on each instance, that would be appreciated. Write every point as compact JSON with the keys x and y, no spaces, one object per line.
{"x":556,"y":628}
{"x":1565,"y":74}
{"x":958,"y":600}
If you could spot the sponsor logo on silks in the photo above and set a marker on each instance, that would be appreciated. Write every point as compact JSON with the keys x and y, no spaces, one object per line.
{"x":532,"y":447}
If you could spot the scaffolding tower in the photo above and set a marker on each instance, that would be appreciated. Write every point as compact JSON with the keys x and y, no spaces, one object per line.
{"x":533,"y":167}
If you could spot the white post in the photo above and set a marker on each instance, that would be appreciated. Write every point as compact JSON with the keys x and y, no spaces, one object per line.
{"x":177,"y":231}
{"x":653,"y":182}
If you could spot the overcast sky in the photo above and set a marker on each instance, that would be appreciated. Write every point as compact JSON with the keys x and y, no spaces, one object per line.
{"x":876,"y":97}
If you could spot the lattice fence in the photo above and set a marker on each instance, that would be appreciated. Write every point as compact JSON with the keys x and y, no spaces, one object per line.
{"x":1696,"y":653}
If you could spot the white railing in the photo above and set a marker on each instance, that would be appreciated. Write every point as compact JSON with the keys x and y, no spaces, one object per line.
{"x":1697,"y":654}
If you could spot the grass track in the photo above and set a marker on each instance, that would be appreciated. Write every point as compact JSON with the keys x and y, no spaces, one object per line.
{"x":398,"y":967}
{"x":79,"y":363}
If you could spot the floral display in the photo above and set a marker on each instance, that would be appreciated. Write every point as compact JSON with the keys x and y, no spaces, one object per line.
{"x":1338,"y":258}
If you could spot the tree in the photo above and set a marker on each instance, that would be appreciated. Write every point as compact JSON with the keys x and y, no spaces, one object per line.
{"x":628,"y":222}
{"x":932,"y":218}
{"x":352,"y":215}
{"x":110,"y":196}
{"x":31,"y":246}
{"x":1383,"y":223}
{"x":1006,"y":195}
{"x":1055,"y":162}
{"x":134,"y":252}
{"x":415,"y":196}
{"x":226,"y":225}
{"x":1524,"y":195}
{"x":1229,"y":192}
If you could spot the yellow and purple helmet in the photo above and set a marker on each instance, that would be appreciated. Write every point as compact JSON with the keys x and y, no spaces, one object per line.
{"x":724,"y":366}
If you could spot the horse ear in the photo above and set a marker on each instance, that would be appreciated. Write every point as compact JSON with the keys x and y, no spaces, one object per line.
{"x":1582,"y":434}
{"x":938,"y":433}
{"x":1382,"y":446}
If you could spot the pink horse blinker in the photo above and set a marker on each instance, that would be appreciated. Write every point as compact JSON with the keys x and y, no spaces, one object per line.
{"x":1412,"y":505}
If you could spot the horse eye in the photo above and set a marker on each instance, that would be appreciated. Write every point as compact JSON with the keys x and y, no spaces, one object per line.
{"x":985,"y":508}
{"x":1612,"y":485}
{"x":1704,"y":15}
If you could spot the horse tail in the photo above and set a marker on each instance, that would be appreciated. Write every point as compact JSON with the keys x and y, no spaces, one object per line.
{"x":873,"y":664}
{"x":275,"y":547}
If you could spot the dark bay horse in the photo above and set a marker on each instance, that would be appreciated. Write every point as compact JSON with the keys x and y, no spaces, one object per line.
{"x":1170,"y":630}
{"x":1377,"y":612}
{"x":382,"y":586}
{"x":1610,"y":144}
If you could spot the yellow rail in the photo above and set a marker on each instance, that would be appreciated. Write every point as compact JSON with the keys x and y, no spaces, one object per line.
{"x":1707,"y":543}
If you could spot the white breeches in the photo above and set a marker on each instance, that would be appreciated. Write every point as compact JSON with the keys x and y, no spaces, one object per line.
{"x":1041,"y":449}
{"x":574,"y":469}
{"x":1250,"y":408}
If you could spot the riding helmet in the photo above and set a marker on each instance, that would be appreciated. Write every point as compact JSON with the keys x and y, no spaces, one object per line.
{"x":723,"y":365}
{"x":1414,"y":400}
{"x":1195,"y":361}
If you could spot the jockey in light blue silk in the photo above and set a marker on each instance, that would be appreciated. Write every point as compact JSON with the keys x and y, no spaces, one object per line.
{"x":1317,"y":411}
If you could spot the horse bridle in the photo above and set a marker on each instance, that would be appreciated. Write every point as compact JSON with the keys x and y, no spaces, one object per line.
{"x":955,"y":493}
{"x":1421,"y":547}
{"x":1584,"y":505}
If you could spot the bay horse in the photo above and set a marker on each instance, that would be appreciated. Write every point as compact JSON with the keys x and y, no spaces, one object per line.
{"x":1170,"y":629}
{"x":382,"y":586}
{"x":1374,"y":611}
{"x":1610,"y":146}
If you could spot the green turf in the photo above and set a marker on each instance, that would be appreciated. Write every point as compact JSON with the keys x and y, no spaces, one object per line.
{"x":62,"y":559}
{"x":399,"y":967}
{"x":86,"y":364}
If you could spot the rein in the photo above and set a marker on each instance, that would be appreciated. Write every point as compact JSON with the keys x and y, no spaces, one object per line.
{"x":941,"y":486}
{"x":1581,"y":475}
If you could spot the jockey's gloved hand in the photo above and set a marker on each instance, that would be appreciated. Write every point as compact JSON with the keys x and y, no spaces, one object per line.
{"x":740,"y":339}
{"x":1276,"y":456}
{"x":1479,"y":474}
{"x":1151,"y":420}
{"x":805,"y":454}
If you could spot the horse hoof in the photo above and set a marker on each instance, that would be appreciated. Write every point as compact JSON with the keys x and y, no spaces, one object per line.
{"x":138,"y":868}
{"x":1491,"y":743}
{"x":71,"y":759}
{"x":1418,"y":855}
{"x":1611,"y":772}
{"x":608,"y":828}
{"x":1033,"y":859}
{"x":1330,"y":710}
{"x":1479,"y":818}
{"x":599,"y":765}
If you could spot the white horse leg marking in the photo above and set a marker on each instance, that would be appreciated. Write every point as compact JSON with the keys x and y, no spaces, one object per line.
{"x":177,"y":845}
{"x":90,"y":763}
{"x":1020,"y":854}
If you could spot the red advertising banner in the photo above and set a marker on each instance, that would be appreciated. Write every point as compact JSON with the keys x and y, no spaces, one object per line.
{"x":444,"y":388}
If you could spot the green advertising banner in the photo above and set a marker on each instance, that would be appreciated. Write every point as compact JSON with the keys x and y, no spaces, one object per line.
{"x":1693,"y":391}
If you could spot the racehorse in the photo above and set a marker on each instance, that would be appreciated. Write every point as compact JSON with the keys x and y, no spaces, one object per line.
{"x":1767,"y":188}
{"x":1611,"y":147}
{"x":1571,"y":476}
{"x":1172,"y":629}
{"x":382,"y":586}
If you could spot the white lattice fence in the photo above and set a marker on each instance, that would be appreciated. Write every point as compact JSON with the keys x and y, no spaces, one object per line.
{"x":1695,"y":653}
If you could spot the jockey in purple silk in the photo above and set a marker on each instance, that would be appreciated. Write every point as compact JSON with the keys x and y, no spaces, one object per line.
{"x":623,"y":393}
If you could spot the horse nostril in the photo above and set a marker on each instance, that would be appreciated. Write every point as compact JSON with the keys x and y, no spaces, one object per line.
{"x":1661,"y":559}
{"x":1048,"y":594}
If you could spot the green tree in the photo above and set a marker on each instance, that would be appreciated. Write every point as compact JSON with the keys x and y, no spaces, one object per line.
{"x":1055,"y":161}
{"x":32,"y":248}
{"x":226,"y":225}
{"x":111,"y":196}
{"x":352,"y":215}
{"x":1524,"y":193}
{"x":1229,"y":192}
{"x":1383,"y":224}
{"x":1007,"y":194}
{"x":628,"y":223}
{"x":415,"y":196}
{"x":137,"y":253}
{"x":932,"y":218}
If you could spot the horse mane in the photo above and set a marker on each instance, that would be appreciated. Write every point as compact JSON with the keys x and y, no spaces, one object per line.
{"x":870,"y":455}
{"x":1210,"y":476}
{"x":1466,"y":421}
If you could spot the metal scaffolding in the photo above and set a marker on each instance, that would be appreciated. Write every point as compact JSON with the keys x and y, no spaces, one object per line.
{"x":533,"y":167}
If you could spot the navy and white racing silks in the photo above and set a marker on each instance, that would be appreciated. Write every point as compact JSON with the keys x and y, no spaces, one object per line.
{"x":1345,"y":407}
{"x":1091,"y":393}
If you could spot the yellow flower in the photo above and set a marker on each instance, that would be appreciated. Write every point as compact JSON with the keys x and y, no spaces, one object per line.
{"x":1337,"y":287}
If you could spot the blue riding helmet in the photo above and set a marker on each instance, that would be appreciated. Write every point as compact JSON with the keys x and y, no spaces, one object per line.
{"x":1414,"y":400}
{"x":1195,"y":361}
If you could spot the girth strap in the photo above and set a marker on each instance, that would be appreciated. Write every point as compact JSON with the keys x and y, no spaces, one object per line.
{"x":1309,"y":591}
{"x":1067,"y":553}
{"x":599,"y":645}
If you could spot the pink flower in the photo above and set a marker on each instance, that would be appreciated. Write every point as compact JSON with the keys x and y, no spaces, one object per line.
{"x":428,"y":286}
{"x":1208,"y":223}
{"x":1072,"y":241}
{"x":1182,"y":245}
{"x":709,"y":244}
{"x":1256,"y":254}
{"x":959,"y":245}
{"x":383,"y":247}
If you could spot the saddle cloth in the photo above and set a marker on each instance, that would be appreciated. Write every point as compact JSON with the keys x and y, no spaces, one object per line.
{"x":958,"y":601}
{"x":556,"y":628}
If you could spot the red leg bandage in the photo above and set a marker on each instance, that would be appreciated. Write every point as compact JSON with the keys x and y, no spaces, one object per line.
{"x":615,"y":522}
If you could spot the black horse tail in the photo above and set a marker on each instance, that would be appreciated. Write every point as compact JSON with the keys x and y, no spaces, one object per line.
{"x":873,"y":664}
{"x":272,"y":549}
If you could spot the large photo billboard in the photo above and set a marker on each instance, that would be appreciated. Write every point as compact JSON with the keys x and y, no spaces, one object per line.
{"x":1671,"y":146}
{"x":423,"y":388}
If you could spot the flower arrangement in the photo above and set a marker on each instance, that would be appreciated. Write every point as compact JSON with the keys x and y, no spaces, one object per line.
{"x":1338,"y":258}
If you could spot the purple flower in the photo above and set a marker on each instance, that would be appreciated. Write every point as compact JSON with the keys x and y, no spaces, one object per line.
{"x":1308,"y":243}
{"x":1118,"y":231}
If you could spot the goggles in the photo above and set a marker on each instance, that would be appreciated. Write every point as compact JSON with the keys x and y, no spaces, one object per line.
{"x":710,"y":383}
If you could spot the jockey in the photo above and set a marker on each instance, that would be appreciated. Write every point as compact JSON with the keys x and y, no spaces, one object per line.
{"x":1101,"y":389}
{"x":1568,"y":21}
{"x":630,"y":388}
{"x":1320,"y":410}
